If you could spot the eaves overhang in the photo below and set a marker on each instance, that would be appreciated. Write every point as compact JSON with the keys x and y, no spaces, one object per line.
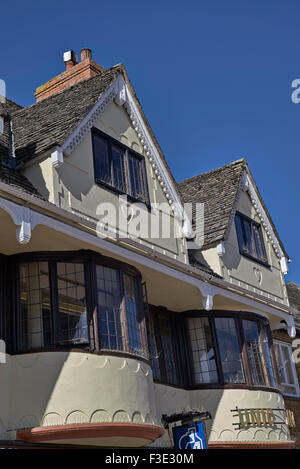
{"x":28,"y":211}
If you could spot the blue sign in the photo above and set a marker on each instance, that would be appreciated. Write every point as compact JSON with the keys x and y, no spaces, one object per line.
{"x":190,"y":436}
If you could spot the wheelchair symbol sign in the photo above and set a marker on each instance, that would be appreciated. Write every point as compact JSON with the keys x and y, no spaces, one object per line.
{"x":190,"y":437}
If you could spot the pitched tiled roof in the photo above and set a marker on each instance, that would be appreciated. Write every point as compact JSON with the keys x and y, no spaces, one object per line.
{"x":293,"y":291}
{"x":218,"y":190}
{"x":48,"y":123}
{"x":6,"y":109}
{"x":14,"y":178}
{"x":8,"y":174}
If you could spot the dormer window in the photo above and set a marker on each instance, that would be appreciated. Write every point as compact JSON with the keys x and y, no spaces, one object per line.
{"x":119,"y":168}
{"x":250,"y":238}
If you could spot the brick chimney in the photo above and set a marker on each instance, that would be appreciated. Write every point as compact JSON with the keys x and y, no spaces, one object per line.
{"x":74,"y":73}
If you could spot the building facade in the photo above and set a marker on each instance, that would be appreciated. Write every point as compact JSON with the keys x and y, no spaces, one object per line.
{"x":118,"y":310}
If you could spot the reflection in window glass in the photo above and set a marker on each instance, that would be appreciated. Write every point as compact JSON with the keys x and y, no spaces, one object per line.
{"x":102,"y":160}
{"x":138,"y":188}
{"x":267,"y":345}
{"x":153,"y":349}
{"x":167,"y":349}
{"x":255,"y":352}
{"x":286,"y":369}
{"x":229,"y":349}
{"x":73,"y":324}
{"x":133,"y":318}
{"x":204,"y":363}
{"x":35,"y":318}
{"x":118,"y":168}
{"x":109,"y":308}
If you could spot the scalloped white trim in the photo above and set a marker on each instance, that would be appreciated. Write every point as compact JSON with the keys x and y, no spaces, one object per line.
{"x":247,"y":186}
{"x":120,"y":93}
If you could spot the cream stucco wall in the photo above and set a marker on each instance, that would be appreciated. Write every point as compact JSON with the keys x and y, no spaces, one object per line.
{"x":220,"y":403}
{"x":72,"y":186}
{"x":61,"y":388}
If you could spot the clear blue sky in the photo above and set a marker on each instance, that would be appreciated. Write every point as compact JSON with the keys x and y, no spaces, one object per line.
{"x":214,"y":78}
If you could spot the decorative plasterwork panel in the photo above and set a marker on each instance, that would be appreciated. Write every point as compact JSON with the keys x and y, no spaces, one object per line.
{"x":120,"y":93}
{"x":247,"y":186}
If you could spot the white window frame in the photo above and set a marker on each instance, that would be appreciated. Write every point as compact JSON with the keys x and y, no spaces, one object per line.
{"x":295,"y":376}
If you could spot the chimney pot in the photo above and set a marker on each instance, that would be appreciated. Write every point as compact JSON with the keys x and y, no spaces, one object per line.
{"x":70,"y":59}
{"x":85,"y":54}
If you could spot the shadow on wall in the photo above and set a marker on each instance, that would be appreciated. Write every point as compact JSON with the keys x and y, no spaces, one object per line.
{"x":62,"y":388}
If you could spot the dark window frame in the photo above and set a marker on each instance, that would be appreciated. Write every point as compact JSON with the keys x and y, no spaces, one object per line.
{"x":178,"y":343}
{"x":184,"y":359}
{"x":89,"y":260}
{"x":263,"y":260}
{"x":127,"y":150}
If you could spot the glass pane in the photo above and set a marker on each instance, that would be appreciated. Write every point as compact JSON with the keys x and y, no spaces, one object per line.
{"x":229,"y":349}
{"x":167,"y":349}
{"x":35,"y":308}
{"x":132,"y":315}
{"x":153,"y":349}
{"x":255,"y":353}
{"x":101,"y":160}
{"x":73,"y":323}
{"x":204,"y":363}
{"x":279,"y":363}
{"x":288,"y":365}
{"x":267,"y":346}
{"x":287,"y":382}
{"x":239,"y":232}
{"x":111,"y":322}
{"x":257,"y":243}
{"x":247,"y":231}
{"x":118,"y":168}
{"x":137,"y":180}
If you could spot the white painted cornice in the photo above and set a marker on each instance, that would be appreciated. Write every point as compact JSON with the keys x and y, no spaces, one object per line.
{"x":120,"y":93}
{"x":248,"y":187}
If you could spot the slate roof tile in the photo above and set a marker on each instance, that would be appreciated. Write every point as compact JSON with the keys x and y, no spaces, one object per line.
{"x":217,"y":189}
{"x":293,"y":291}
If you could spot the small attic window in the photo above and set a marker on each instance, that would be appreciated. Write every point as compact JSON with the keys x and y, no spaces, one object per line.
{"x":250,"y":238}
{"x":119,"y":168}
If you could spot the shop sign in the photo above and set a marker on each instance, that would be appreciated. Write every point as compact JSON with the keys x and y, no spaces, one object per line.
{"x":190,"y":436}
{"x":263,"y":417}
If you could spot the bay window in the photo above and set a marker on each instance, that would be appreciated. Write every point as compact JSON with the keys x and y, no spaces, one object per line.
{"x":219,"y":349}
{"x":91,"y":302}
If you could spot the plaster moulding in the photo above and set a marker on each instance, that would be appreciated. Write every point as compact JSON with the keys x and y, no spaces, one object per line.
{"x":247,"y":186}
{"x":121,"y":95}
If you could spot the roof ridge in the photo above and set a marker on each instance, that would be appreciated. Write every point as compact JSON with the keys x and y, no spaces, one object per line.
{"x":64,"y":92}
{"x":239,"y":161}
